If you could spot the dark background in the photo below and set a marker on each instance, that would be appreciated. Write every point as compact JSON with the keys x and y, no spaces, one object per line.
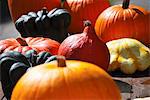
{"x":4,"y":11}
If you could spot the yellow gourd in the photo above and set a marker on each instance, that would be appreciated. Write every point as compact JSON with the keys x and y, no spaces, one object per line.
{"x":128,"y":55}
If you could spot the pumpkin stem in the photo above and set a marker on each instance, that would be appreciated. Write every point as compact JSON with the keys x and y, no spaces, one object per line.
{"x":125,"y":4}
{"x":61,"y":61}
{"x":62,"y":3}
{"x":21,"y":41}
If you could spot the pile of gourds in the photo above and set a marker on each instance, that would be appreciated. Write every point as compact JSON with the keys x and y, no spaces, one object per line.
{"x":67,"y":46}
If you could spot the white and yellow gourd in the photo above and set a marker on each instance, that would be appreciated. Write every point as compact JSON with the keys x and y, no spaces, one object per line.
{"x":128,"y":55}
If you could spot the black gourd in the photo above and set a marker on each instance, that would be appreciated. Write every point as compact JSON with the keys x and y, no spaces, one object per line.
{"x":13,"y":65}
{"x":52,"y":24}
{"x":16,"y":71}
{"x":52,"y":58}
{"x":42,"y":57}
{"x":6,"y":61}
{"x":31,"y":55}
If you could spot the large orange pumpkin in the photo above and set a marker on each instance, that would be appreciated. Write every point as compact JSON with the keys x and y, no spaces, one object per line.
{"x":20,"y":7}
{"x":24,"y":44}
{"x":82,"y":10}
{"x":70,"y":80}
{"x":124,"y":21}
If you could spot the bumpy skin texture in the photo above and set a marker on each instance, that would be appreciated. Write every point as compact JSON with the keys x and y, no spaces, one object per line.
{"x":82,"y":10}
{"x":51,"y":24}
{"x":86,"y":47}
{"x":116,"y":22}
{"x":128,"y":55}
{"x":22,"y":45}
{"x":6,"y":62}
{"x":37,"y":58}
{"x":77,"y":80}
{"x":13,"y":65}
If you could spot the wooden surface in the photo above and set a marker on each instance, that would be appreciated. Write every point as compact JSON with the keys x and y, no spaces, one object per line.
{"x":132,"y":88}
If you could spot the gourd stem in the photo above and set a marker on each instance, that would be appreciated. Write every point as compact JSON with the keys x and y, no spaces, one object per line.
{"x":87,"y":23}
{"x":125,"y":4}
{"x":44,"y":10}
{"x":62,"y":3}
{"x":88,"y":29}
{"x":61,"y":61}
{"x":21,"y":41}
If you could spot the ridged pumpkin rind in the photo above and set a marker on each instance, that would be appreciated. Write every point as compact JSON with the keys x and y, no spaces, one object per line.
{"x":116,"y":22}
{"x":79,"y":80}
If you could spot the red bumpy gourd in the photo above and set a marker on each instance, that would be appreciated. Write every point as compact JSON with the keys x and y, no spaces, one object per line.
{"x":86,"y":47}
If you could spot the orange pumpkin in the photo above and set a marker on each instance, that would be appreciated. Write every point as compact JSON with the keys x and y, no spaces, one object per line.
{"x":82,"y":10}
{"x":124,"y":21}
{"x":68,"y":80}
{"x":24,"y":44}
{"x":20,"y":7}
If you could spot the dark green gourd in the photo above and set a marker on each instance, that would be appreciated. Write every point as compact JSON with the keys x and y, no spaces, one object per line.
{"x":14,"y":64}
{"x":52,"y":24}
{"x":6,"y":61}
